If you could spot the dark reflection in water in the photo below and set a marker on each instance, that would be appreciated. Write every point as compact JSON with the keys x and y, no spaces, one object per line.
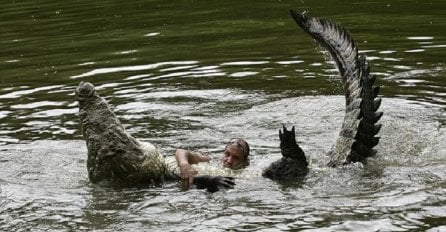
{"x":177,"y":46}
{"x":195,"y":73}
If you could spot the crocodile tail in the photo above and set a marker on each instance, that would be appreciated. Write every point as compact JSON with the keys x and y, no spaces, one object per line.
{"x":358,"y":133}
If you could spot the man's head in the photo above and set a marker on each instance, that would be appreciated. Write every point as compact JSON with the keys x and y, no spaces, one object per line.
{"x":236,"y":154}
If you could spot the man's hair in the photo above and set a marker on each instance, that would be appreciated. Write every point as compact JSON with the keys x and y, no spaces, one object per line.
{"x":242,"y":144}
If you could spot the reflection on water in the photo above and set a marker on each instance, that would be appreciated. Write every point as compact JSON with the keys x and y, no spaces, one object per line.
{"x":193,"y":74}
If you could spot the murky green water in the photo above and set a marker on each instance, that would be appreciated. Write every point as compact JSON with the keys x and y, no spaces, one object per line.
{"x":196,"y":73}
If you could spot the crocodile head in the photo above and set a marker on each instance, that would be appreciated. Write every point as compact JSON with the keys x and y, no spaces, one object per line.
{"x":84,"y":91}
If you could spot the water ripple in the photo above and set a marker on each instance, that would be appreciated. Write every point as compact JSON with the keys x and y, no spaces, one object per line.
{"x":131,"y":68}
{"x":21,"y":93}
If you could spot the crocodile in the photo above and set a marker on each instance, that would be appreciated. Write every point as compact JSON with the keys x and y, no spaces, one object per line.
{"x":357,"y":138}
{"x":116,"y":158}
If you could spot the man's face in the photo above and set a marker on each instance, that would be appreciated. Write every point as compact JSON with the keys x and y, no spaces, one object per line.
{"x":233,"y":157}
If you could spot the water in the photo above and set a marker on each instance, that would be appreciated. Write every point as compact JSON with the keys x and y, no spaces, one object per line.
{"x":194,"y":74}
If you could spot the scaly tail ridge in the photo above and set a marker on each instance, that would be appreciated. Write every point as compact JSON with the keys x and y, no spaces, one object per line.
{"x":358,"y":133}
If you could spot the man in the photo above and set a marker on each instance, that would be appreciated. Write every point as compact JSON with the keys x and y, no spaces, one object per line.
{"x":235,"y":157}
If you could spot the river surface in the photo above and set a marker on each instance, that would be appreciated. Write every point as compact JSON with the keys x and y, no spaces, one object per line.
{"x":194,"y":74}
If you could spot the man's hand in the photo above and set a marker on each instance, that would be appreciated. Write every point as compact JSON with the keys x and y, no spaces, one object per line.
{"x":184,"y":160}
{"x":187,"y":173}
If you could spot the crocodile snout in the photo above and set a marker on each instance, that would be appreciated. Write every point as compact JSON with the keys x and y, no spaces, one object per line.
{"x":84,"y":90}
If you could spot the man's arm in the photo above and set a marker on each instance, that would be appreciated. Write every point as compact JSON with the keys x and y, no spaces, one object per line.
{"x":185,"y":158}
